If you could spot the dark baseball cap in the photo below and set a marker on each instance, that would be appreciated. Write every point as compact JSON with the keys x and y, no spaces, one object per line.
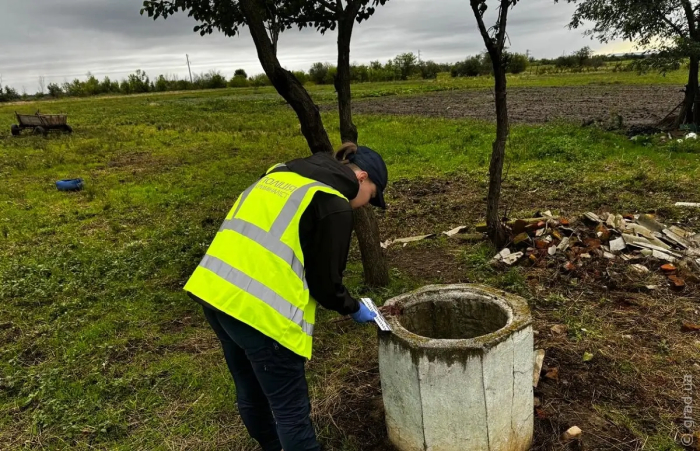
{"x":372,"y":163}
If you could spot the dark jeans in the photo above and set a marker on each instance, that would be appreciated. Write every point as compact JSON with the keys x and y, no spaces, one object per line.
{"x":273,"y":398}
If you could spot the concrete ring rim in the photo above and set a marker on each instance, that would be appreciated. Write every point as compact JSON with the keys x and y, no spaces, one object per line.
{"x":515,"y":306}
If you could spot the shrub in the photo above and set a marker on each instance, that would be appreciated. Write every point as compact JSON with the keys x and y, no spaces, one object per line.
{"x":319,"y":72}
{"x":161,"y":84}
{"x":55,"y":91}
{"x":471,"y":67}
{"x":136,"y":82}
{"x":330,"y":75}
{"x":215,"y":81}
{"x":359,"y":73}
{"x":429,"y":70}
{"x":238,"y":81}
{"x":518,"y":63}
{"x":210,"y":80}
{"x":301,"y":76}
{"x":406,"y":65}
{"x":9,"y":94}
{"x":260,"y":80}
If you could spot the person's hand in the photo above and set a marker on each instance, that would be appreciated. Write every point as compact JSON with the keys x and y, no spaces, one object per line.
{"x":364,"y":315}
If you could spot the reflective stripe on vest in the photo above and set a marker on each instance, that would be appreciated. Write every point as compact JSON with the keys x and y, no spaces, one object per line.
{"x":254,"y":268}
{"x":268,"y":241}
{"x":260,"y":291}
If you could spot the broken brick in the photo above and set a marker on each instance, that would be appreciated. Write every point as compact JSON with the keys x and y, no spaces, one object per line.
{"x":676,"y":283}
{"x":552,"y":374}
{"x":541,"y":244}
{"x":602,"y":232}
{"x":668,"y":268}
{"x":591,"y":243}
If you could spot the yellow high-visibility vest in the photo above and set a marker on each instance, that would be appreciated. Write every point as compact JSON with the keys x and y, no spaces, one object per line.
{"x":254,"y":268}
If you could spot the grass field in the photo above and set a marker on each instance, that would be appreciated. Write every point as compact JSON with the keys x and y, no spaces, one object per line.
{"x":101,"y":349}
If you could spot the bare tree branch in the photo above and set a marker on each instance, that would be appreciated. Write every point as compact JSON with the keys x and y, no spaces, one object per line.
{"x":502,"y":21}
{"x":482,"y":28}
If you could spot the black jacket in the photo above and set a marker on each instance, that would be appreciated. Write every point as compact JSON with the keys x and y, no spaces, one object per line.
{"x":325,"y":231}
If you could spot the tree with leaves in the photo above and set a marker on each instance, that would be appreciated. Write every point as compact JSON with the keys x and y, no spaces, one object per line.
{"x":258,"y":15}
{"x":495,"y":39}
{"x":673,"y":26}
{"x":227,"y":16}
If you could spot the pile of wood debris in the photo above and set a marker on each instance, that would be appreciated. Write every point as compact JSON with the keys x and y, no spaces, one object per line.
{"x":640,"y":240}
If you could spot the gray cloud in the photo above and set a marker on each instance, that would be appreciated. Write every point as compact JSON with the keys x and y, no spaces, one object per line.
{"x":64,"y":40}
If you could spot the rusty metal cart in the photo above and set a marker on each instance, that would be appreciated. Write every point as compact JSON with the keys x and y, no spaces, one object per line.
{"x":41,"y":124}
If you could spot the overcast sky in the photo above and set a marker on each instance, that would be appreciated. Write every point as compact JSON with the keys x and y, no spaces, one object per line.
{"x":63,"y":40}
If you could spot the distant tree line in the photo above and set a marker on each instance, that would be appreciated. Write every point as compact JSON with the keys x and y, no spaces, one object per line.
{"x":403,"y":67}
{"x":8,"y":94}
{"x":481,"y":65}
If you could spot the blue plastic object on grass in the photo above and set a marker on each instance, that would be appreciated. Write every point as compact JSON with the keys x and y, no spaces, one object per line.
{"x":70,"y":185}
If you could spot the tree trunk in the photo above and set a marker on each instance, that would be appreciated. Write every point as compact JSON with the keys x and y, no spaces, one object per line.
{"x":496,"y":231}
{"x":688,"y":111}
{"x":692,"y":98}
{"x":373,"y":258}
{"x":366,"y":226}
{"x":285,"y":82}
{"x":348,"y":131}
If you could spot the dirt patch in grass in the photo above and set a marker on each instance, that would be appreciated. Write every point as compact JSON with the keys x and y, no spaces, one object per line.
{"x":638,"y":105}
{"x":31,"y":356}
{"x":418,"y":207}
{"x":441,"y":264}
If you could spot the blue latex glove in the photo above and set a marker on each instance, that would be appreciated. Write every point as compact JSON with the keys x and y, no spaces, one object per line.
{"x":364,"y":315}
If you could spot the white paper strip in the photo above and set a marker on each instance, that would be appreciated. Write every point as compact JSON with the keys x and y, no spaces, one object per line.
{"x":379,"y":319}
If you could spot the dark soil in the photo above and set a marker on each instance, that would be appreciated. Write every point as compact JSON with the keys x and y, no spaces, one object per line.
{"x":629,"y":396}
{"x":638,"y":105}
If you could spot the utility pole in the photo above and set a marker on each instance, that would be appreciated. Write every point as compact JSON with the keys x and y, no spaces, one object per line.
{"x":188,"y":67}
{"x":527,"y":55}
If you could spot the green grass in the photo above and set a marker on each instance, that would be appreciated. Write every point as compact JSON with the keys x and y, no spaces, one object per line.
{"x":99,"y":346}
